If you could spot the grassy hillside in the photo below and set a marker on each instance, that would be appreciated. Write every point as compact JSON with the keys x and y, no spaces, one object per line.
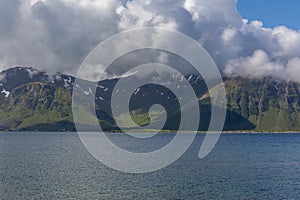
{"x":268,"y":104}
{"x":262,"y":105}
{"x":36,"y":104}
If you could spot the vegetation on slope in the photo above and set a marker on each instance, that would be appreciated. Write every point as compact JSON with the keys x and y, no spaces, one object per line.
{"x":40,"y":104}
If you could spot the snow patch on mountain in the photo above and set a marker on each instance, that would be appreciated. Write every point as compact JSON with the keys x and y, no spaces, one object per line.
{"x":68,"y":82}
{"x":137,"y":91}
{"x":5,"y":92}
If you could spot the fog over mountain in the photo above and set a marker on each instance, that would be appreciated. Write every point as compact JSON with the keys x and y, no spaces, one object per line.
{"x":56,"y":35}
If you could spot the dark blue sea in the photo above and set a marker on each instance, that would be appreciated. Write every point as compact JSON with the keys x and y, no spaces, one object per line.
{"x":57,"y":166}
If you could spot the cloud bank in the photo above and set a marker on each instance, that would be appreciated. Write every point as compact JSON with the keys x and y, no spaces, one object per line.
{"x":56,"y":35}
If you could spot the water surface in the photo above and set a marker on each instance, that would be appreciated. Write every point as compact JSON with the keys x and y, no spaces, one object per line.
{"x":57,"y":166}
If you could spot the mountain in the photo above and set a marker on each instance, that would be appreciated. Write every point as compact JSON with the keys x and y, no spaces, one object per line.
{"x":268,"y":104}
{"x":32,"y":100}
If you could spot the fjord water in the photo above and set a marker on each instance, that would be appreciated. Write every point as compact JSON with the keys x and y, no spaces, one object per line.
{"x":57,"y":166}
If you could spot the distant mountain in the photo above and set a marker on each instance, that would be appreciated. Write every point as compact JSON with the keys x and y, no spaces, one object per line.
{"x":31,"y":100}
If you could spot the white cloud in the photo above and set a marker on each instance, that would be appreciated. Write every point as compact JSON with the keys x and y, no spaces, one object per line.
{"x":228,"y":35}
{"x":56,"y":35}
{"x":260,"y":65}
{"x":257,"y":65}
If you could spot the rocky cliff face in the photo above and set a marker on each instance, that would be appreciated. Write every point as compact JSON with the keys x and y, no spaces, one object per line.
{"x":268,"y":104}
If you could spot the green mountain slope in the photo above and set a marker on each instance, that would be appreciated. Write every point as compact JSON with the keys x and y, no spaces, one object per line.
{"x":31,"y":105}
{"x":44,"y":104}
{"x":268,"y":104}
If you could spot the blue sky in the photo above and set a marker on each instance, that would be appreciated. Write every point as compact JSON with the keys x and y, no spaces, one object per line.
{"x":272,"y":12}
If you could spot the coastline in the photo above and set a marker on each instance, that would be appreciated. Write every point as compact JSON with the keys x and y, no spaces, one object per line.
{"x":168,"y":131}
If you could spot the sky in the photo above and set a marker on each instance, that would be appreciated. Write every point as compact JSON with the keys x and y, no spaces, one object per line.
{"x":248,"y":38}
{"x":272,"y":12}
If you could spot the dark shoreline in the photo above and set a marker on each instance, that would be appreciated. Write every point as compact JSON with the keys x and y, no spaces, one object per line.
{"x":165,"y":132}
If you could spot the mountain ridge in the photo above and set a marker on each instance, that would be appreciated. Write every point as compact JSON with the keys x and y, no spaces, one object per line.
{"x":30,"y":100}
